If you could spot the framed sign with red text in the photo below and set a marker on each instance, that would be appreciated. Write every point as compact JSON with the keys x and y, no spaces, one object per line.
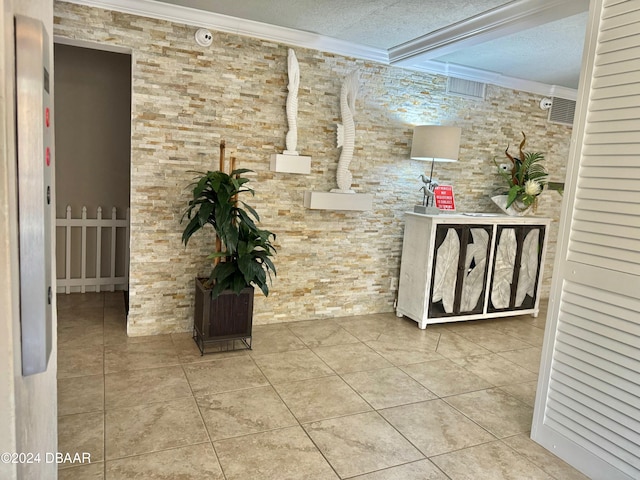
{"x":444,"y":197}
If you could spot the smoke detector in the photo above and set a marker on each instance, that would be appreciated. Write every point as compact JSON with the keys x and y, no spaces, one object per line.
{"x":204,"y":37}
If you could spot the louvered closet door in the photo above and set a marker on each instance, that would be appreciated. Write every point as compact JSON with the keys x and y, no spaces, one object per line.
{"x":588,"y":403}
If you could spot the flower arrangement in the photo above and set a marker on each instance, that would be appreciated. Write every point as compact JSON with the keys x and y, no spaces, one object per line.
{"x":526,"y":179}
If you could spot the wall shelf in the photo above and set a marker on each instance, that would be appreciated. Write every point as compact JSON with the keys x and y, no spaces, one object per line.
{"x":338,"y":201}
{"x":284,"y":163}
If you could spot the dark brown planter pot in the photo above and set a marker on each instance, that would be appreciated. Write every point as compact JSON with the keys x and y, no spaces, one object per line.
{"x":224,"y":319}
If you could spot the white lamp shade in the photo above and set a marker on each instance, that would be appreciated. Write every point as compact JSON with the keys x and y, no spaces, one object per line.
{"x":435,"y":142}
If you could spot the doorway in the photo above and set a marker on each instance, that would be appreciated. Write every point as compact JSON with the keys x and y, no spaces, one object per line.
{"x":93,"y":164}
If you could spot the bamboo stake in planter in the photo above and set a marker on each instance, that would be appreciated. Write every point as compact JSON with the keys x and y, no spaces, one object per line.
{"x":232,"y":167}
{"x":222,"y":145}
{"x":218,"y":241}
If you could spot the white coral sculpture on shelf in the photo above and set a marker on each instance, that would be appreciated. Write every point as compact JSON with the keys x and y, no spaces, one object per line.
{"x":292,"y":103}
{"x":347,"y":131}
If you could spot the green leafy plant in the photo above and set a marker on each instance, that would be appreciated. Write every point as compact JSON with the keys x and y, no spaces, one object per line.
{"x":527,"y":177}
{"x":244,"y":250}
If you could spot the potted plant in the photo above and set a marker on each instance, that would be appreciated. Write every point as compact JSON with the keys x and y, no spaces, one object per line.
{"x":526,"y":180}
{"x":224,"y":301}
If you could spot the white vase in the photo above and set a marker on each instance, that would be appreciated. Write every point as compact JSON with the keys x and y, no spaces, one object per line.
{"x":516,"y":209}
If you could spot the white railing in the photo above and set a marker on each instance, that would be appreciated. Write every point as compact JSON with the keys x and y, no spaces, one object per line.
{"x":98,"y":282}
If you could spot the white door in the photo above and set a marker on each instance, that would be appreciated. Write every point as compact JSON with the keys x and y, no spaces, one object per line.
{"x":588,"y":404}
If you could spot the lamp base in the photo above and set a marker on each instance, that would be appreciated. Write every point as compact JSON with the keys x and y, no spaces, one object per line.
{"x":426,"y":210}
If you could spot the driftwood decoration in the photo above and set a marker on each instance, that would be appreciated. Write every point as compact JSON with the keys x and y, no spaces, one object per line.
{"x":514,"y":168}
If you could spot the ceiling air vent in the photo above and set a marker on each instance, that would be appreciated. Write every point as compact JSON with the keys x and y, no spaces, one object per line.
{"x":465,"y":88}
{"x":562,"y":111}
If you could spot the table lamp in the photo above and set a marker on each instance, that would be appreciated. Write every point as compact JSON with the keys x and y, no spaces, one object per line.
{"x":433,"y":143}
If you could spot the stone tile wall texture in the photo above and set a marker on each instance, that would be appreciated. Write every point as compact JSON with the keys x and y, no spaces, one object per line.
{"x":186,"y":98}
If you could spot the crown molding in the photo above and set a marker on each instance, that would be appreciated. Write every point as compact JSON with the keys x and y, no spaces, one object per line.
{"x":289,"y":36}
{"x":239,"y":26}
{"x":476,"y":75}
{"x":498,"y":22}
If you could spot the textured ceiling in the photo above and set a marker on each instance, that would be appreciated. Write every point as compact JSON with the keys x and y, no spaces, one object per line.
{"x":550,"y":53}
{"x":547,"y":51}
{"x":376,"y":23}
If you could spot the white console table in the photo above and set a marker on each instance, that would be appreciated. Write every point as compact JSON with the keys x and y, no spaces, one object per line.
{"x":470,"y":266}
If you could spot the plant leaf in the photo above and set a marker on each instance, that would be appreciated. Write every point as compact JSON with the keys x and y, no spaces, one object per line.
{"x":513,"y":194}
{"x":251,"y":211}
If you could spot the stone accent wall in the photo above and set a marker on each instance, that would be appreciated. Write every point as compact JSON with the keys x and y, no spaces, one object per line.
{"x":187,"y":98}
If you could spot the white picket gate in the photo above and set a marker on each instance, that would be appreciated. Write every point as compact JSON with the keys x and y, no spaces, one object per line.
{"x":98,"y":282}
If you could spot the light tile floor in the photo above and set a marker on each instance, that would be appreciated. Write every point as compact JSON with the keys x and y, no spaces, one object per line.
{"x":368,"y":397}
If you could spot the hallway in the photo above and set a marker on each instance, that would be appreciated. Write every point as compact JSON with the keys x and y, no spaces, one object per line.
{"x":369,"y":397}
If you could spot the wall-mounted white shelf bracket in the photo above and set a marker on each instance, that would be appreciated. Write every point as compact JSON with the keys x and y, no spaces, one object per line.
{"x":338,"y":201}
{"x":290,"y":163}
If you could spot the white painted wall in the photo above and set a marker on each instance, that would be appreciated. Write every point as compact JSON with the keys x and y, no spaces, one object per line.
{"x":28,"y":405}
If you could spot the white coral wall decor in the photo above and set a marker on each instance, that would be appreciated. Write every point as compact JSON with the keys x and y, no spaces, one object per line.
{"x":292,"y":102}
{"x":347,"y":131}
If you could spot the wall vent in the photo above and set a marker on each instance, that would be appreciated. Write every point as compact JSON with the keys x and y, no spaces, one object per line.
{"x":465,"y":88}
{"x":562,"y":111}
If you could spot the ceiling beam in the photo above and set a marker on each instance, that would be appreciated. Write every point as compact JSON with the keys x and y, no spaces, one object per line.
{"x":501,"y":21}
